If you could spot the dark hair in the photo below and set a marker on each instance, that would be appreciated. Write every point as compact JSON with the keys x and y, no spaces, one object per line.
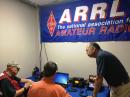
{"x":50,"y":68}
{"x":95,"y":45}
{"x":35,"y":71}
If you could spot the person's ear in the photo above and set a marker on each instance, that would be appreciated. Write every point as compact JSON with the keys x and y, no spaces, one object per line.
{"x":93,"y":49}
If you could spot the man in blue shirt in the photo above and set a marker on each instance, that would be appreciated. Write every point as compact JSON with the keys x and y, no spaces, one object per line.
{"x":111,"y":69}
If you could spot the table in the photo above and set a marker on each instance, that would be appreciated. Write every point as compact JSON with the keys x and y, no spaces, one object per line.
{"x":84,"y":92}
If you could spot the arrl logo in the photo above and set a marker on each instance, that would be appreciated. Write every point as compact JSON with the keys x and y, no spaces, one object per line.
{"x":51,"y":23}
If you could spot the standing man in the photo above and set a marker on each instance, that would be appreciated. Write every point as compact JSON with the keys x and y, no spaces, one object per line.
{"x":111,"y":69}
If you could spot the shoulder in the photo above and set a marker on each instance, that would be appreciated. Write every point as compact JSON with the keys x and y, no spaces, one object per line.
{"x":102,"y":54}
{"x":59,"y":88}
{"x":16,"y":79}
{"x":3,"y":78}
{"x":61,"y":91}
{"x":1,"y":74}
{"x":36,"y":85}
{"x":34,"y":88}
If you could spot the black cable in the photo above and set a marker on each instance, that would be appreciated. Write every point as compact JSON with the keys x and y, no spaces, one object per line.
{"x":72,"y":89}
{"x":45,"y":52}
{"x":40,"y":58}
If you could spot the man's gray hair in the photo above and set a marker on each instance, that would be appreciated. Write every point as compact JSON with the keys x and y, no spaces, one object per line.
{"x":13,"y":64}
{"x":95,"y":45}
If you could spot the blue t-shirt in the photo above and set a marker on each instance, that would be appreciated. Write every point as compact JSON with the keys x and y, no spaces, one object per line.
{"x":111,"y":68}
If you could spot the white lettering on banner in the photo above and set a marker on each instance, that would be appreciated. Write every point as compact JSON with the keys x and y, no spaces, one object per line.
{"x":99,"y":9}
{"x":114,"y":12}
{"x":76,"y":26}
{"x":105,"y":23}
{"x":128,"y":20}
{"x":102,"y":30}
{"x":65,"y":16}
{"x":81,"y":12}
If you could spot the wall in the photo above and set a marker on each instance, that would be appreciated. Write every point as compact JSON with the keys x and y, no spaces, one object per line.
{"x":72,"y":58}
{"x":19,"y":36}
{"x":19,"y":41}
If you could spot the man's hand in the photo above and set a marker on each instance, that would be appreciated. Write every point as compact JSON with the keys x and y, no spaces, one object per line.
{"x":98,"y":84}
{"x":27,"y":81}
{"x":30,"y":81}
{"x":27,"y":85}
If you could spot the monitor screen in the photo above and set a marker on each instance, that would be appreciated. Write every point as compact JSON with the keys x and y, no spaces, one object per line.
{"x":61,"y":78}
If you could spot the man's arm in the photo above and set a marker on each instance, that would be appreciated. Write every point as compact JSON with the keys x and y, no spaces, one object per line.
{"x":98,"y":84}
{"x":26,"y":81}
{"x":22,"y":90}
{"x":19,"y":92}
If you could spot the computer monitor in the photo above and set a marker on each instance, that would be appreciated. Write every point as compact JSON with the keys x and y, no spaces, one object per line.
{"x":61,"y":78}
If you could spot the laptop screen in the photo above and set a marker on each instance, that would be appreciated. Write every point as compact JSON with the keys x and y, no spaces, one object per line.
{"x":61,"y":78}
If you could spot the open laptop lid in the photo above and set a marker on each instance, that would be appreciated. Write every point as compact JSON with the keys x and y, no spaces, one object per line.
{"x":61,"y":78}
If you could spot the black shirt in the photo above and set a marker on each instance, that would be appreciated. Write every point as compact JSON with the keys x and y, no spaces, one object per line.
{"x":6,"y":87}
{"x":110,"y":68}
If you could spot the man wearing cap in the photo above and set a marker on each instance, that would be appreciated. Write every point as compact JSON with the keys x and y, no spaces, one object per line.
{"x":9,"y":83}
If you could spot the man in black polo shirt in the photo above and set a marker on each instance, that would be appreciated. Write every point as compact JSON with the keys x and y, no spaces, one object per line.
{"x":111,"y":69}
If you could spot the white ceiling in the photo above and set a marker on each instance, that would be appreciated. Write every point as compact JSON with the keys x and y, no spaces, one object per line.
{"x":47,"y":2}
{"x":42,"y":2}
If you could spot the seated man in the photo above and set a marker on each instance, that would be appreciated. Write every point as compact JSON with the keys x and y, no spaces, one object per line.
{"x":9,"y":83}
{"x":46,"y":87}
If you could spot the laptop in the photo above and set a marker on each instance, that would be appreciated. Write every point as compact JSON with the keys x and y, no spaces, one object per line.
{"x":61,"y":79}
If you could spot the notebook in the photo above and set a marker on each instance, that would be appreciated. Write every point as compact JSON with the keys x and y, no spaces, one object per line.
{"x":61,"y":79}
